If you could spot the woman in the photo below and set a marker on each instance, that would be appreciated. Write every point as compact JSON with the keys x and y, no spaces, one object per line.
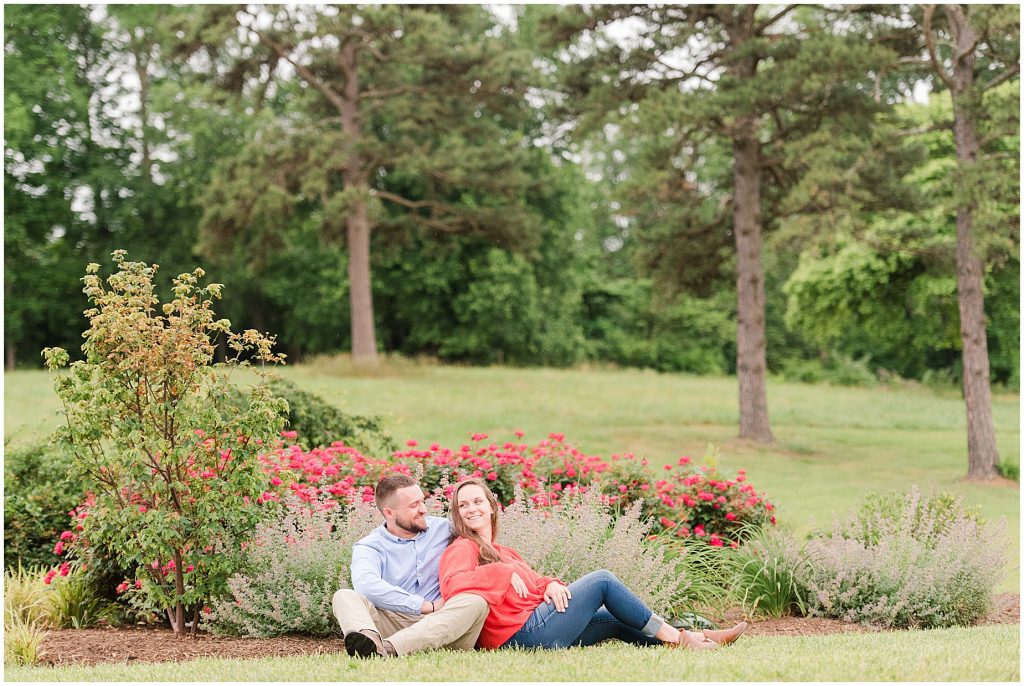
{"x":533,"y":611}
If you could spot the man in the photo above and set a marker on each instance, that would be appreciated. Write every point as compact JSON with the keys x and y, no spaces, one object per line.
{"x":395,"y":605}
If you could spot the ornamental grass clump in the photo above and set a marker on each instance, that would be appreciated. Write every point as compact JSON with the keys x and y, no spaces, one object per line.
{"x":928,"y":564}
{"x":768,"y":572}
{"x":173,"y":478}
{"x":290,"y":570}
{"x":578,"y":535}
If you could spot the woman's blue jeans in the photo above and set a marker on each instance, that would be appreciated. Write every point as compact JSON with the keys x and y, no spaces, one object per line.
{"x":601,"y":607}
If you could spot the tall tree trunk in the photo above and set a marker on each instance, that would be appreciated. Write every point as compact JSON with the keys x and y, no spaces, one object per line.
{"x":357,"y":223}
{"x":750,"y":333}
{"x":10,"y":357}
{"x":982,"y":456}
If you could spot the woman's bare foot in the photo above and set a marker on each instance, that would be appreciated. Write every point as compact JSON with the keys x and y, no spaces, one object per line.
{"x":726,"y":636}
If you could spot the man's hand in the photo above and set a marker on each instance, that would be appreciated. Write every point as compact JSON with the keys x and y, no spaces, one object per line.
{"x":519,"y":585}
{"x":429,"y":606}
{"x":559,"y":594}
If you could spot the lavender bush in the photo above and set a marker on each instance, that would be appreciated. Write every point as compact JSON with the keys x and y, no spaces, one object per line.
{"x":579,"y":535}
{"x":291,"y":569}
{"x":927,"y":564}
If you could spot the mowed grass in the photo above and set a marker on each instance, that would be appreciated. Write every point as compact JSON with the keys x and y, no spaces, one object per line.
{"x":833,"y":444}
{"x":989,"y":653}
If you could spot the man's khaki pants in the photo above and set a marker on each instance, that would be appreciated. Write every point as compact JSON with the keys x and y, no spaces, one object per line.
{"x":456,"y":625}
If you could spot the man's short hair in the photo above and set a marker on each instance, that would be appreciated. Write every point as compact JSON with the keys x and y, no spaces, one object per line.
{"x":386,"y":487}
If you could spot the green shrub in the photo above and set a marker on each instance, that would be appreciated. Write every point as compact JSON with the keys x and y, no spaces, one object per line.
{"x":1009,"y":470}
{"x":928,"y":564}
{"x":317,"y":423}
{"x":39,"y":490}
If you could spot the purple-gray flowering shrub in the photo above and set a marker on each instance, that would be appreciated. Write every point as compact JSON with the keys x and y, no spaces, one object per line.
{"x":290,"y":570}
{"x":927,"y":564}
{"x":579,"y":534}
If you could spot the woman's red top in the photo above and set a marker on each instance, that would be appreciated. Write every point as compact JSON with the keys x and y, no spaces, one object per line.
{"x":461,"y":573}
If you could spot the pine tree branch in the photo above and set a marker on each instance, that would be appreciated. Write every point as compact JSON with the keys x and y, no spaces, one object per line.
{"x":772,"y":19}
{"x":389,"y":92}
{"x":431,"y":204}
{"x":1002,"y":78}
{"x":929,"y":39}
{"x":304,"y":71}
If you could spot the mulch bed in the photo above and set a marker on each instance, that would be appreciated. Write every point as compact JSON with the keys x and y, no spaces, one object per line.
{"x":149,"y":644}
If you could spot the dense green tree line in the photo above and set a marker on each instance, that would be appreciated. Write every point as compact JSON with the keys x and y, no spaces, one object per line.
{"x":711,"y":189}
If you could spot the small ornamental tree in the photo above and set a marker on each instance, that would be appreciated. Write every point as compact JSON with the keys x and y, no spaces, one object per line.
{"x":174,"y":479}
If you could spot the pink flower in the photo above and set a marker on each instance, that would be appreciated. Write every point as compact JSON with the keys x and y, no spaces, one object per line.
{"x":65,"y":569}
{"x":142,"y":509}
{"x":67,"y":536}
{"x":138,"y":583}
{"x":49,"y":576}
{"x":520,"y":433}
{"x":189,"y":568}
{"x":492,"y":476}
{"x":122,"y":587}
{"x":276,"y":481}
{"x":59,"y":548}
{"x":704,"y":495}
{"x":731,"y":516}
{"x":716,"y":541}
{"x":479,"y":437}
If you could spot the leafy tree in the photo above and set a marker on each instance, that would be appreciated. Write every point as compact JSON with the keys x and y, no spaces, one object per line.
{"x":50,"y":152}
{"x":175,"y":478}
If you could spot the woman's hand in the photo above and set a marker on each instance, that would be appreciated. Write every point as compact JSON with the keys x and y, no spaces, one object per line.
{"x":559,"y":594}
{"x":519,"y":585}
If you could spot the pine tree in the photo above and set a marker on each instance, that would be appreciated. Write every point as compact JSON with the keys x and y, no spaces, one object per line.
{"x":745,"y":79}
{"x":397,"y":115}
{"x":975,"y":49}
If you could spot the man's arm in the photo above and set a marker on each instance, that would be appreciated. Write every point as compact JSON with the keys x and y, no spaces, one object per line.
{"x":368,"y":582}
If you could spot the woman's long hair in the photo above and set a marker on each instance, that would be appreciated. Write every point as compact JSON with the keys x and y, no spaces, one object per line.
{"x":487,"y":552}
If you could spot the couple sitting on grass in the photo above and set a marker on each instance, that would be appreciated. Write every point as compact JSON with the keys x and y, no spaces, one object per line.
{"x":413,"y":591}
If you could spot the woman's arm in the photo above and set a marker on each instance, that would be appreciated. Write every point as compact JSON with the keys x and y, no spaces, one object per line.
{"x":460,"y":573}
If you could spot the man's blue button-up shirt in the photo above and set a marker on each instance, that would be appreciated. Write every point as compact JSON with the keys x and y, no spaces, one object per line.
{"x":400,"y":574}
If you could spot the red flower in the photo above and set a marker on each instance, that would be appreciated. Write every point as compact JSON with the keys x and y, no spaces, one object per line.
{"x":67,"y":536}
{"x":716,"y":541}
{"x":59,"y":548}
{"x":122,"y":587}
{"x":411,"y":443}
{"x":49,"y":576}
{"x":730,"y":516}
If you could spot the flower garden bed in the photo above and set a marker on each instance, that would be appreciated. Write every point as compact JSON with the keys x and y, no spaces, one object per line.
{"x":157,"y":644}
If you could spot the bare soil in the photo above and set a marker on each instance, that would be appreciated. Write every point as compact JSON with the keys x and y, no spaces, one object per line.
{"x":157,"y":644}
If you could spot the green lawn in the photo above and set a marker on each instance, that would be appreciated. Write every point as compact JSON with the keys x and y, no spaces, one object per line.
{"x":989,"y":653}
{"x":833,"y":444}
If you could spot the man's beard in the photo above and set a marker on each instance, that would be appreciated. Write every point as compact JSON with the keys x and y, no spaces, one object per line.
{"x":410,"y":525}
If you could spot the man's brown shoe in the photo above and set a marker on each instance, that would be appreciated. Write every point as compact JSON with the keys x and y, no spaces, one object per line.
{"x":726,"y":636}
{"x":368,"y":644}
